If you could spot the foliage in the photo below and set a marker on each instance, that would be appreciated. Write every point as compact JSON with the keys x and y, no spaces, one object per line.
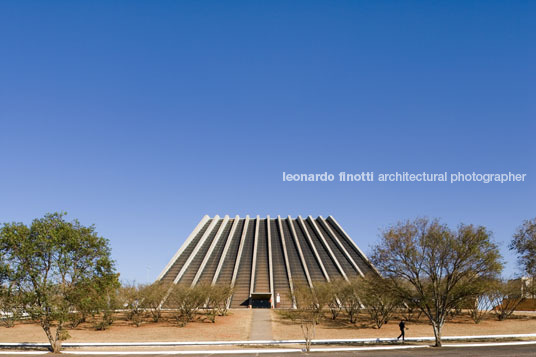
{"x":97,"y":299}
{"x":130,"y":299}
{"x":186,"y":301}
{"x":105,"y":318}
{"x":378,"y":299}
{"x":151,"y":297}
{"x":327,"y":295}
{"x":349,"y":296}
{"x":216,"y":297}
{"x":54,"y":263}
{"x":524,"y":244}
{"x":10,"y":307}
{"x":506,"y":296}
{"x":436,"y":268}
{"x":483,"y":303}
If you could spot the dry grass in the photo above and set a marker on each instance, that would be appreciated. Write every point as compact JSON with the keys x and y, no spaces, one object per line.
{"x":460,"y":326}
{"x":235,"y":326}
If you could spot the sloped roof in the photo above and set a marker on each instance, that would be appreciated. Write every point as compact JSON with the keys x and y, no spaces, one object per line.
{"x":265,"y":255}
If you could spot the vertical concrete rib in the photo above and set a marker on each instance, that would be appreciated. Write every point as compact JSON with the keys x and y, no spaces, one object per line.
{"x":270,"y":268}
{"x":225,"y":249}
{"x":210,"y":249}
{"x":196,"y":249}
{"x":313,"y":248}
{"x":300,"y":253}
{"x":334,"y":221}
{"x":254,"y":261}
{"x":285,"y":255}
{"x":240,"y":248}
{"x":183,"y":247}
{"x":328,"y":248}
{"x":340,"y":245}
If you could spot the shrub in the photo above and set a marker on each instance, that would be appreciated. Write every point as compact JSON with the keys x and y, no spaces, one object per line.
{"x":186,"y":301}
{"x":130,"y":299}
{"x":152,"y":297}
{"x":349,"y":297}
{"x":378,"y":300}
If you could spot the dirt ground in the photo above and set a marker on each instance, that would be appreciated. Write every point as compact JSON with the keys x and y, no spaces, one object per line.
{"x":461,"y":326}
{"x":235,"y":326}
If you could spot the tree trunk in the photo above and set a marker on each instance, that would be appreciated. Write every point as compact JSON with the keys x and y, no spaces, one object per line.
{"x":55,"y":343}
{"x":56,"y":346}
{"x":437,"y":334}
{"x":56,"y":339}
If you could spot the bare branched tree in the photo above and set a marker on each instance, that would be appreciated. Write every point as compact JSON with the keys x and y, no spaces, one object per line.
{"x":307,"y":313}
{"x":436,"y":268}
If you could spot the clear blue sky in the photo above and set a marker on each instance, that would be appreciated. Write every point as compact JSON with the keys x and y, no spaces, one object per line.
{"x":142,"y":116}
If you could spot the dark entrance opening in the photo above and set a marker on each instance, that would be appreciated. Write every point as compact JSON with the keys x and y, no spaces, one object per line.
{"x":261,"y":300}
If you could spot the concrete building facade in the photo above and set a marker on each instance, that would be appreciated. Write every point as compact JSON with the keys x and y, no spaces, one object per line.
{"x":263,"y":259}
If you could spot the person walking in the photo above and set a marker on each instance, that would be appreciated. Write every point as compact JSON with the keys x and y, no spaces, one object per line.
{"x":402,"y":326}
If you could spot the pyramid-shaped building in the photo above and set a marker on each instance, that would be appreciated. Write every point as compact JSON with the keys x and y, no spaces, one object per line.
{"x":265,"y":258}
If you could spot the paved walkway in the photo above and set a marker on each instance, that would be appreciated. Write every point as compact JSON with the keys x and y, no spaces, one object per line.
{"x":261,"y":325}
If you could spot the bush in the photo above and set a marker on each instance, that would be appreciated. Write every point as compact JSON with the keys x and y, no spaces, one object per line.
{"x":326,"y":295}
{"x":216,"y":300}
{"x":104,"y":316}
{"x":10,"y":305}
{"x":378,"y":300}
{"x":506,"y":296}
{"x":349,"y":297}
{"x":186,"y":301}
{"x":152,"y":297}
{"x":130,"y":299}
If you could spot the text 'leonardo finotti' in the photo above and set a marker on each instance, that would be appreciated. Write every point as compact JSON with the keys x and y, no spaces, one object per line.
{"x":370,"y":176}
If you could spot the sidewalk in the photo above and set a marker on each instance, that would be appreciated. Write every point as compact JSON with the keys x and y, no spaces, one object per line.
{"x":229,"y":344}
{"x":275,"y":349}
{"x":261,"y":325}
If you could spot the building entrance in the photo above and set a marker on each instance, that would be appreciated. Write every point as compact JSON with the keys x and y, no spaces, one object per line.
{"x":261,"y":300}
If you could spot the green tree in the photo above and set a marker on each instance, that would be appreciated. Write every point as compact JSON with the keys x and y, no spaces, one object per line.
{"x":436,"y":268}
{"x":53,"y":263}
{"x":95,"y":297}
{"x":10,"y":306}
{"x":524,"y":244}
